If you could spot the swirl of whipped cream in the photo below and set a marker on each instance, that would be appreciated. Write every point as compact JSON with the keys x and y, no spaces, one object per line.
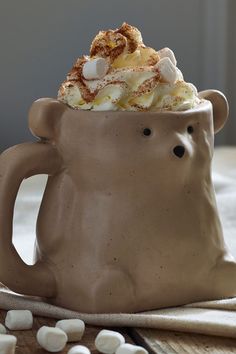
{"x":137,"y":79}
{"x":110,"y":44}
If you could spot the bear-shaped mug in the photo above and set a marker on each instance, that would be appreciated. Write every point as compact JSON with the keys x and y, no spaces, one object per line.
{"x":128,"y":221}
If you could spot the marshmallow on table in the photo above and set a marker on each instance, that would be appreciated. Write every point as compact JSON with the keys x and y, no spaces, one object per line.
{"x":7,"y":344}
{"x":2,"y":329}
{"x":167,"y":52}
{"x":79,"y":349}
{"x":51,"y":339}
{"x":167,"y":70}
{"x":74,"y":328}
{"x":108,"y":341}
{"x":131,"y":349}
{"x":95,"y":69}
{"x":19,"y":320}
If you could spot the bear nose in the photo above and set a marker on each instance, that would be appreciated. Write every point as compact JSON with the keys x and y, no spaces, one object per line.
{"x":179,"y":151}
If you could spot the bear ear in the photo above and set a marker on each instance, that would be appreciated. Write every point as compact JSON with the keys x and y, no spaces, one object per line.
{"x":44,"y":116}
{"x":220,"y":107}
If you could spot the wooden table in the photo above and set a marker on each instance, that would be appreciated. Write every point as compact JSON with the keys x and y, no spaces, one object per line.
{"x":155,"y":341}
{"x":166,"y":342}
{"x":27,"y":344}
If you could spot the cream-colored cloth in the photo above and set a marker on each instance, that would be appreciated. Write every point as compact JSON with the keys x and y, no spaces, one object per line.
{"x":212,"y":317}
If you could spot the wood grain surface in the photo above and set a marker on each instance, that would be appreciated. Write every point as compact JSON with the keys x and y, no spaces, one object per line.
{"x":155,"y":341}
{"x":166,"y":342}
{"x":27,"y":344}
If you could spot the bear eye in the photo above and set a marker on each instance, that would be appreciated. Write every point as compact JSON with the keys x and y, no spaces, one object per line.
{"x":190,"y":129}
{"x":147,"y":131}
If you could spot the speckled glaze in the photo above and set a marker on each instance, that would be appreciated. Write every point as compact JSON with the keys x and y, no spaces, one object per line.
{"x":128,"y":222}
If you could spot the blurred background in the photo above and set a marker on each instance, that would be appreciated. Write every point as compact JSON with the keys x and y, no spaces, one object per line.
{"x":40,"y":40}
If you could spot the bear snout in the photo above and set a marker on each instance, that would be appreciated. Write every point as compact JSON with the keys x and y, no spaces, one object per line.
{"x":179,"y":151}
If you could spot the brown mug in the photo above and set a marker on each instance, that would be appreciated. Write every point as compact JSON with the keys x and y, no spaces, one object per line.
{"x":128,"y":220}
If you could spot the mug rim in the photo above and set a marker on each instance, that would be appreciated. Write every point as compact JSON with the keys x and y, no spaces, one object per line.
{"x":203,"y":105}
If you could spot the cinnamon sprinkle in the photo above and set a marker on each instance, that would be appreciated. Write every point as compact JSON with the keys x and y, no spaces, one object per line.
{"x":139,"y":107}
{"x":147,"y":86}
{"x":108,"y":44}
{"x":128,"y":31}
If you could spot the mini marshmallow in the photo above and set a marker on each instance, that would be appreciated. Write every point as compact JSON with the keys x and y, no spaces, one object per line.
{"x":167,"y":52}
{"x":167,"y":70}
{"x":51,"y":339}
{"x":79,"y":349}
{"x":2,"y":329}
{"x":19,"y":320}
{"x":95,"y":69}
{"x":7,"y":344}
{"x":107,"y":341}
{"x":74,"y":329}
{"x":131,"y":349}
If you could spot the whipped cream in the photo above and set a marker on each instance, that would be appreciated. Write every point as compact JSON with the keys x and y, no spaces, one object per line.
{"x":134,"y":77}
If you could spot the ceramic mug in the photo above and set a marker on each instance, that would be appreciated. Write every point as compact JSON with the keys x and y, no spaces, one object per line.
{"x":128,"y":220}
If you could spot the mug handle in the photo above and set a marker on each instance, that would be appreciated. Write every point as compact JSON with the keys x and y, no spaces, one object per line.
{"x":17,"y":163}
{"x":220,"y":107}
